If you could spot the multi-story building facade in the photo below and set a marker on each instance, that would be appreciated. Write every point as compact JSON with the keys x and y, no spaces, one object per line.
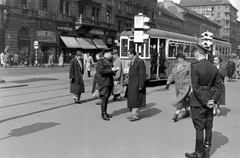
{"x":49,"y":21}
{"x":168,"y":21}
{"x":194,"y":24}
{"x":220,"y":11}
{"x":4,"y":9}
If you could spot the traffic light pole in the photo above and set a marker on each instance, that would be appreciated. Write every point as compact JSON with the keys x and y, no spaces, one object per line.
{"x":36,"y":59}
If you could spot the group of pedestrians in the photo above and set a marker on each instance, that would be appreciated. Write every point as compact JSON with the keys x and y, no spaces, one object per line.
{"x":199,"y":85}
{"x":108,"y":81}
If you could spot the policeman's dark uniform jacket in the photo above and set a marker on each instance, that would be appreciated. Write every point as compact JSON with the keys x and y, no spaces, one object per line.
{"x":206,"y":85}
{"x":105,"y":80}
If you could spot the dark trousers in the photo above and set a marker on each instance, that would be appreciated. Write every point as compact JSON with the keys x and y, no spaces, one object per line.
{"x":104,"y":92}
{"x":202,"y":118}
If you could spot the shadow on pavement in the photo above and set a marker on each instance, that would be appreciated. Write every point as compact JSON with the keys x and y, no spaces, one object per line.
{"x":30,"y":129}
{"x":143,"y":113}
{"x":218,"y":140}
{"x":224,"y":111}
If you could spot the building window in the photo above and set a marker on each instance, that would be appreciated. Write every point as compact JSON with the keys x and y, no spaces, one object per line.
{"x":119,"y":5}
{"x":65,"y":7}
{"x":93,"y":13}
{"x":24,"y":4}
{"x":97,"y":14}
{"x":108,"y":16}
{"x":44,"y":4}
{"x":119,"y":26}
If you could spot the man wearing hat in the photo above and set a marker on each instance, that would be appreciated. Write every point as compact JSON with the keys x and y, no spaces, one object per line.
{"x":76,"y":71}
{"x":105,"y":72}
{"x":181,"y":75}
{"x":206,"y":90}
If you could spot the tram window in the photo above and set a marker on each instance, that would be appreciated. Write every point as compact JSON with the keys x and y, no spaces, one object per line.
{"x":180,"y":48}
{"x":172,"y":49}
{"x":124,"y":47}
{"x":193,"y":47}
{"x":153,"y":47}
{"x":187,"y":50}
{"x":220,"y":50}
{"x":147,"y":49}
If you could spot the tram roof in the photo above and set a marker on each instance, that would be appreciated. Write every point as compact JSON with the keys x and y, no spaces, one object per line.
{"x":164,"y":34}
{"x":221,"y":42}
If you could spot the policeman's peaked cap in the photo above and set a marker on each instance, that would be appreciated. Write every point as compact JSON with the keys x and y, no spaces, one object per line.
{"x":202,"y":49}
{"x":181,"y":55}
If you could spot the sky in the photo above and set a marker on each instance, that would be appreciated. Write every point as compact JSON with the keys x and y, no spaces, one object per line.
{"x":235,"y":3}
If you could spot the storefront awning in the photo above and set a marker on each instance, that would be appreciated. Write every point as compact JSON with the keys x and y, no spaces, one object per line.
{"x":99,"y":43}
{"x":85,"y":43}
{"x":70,"y":42}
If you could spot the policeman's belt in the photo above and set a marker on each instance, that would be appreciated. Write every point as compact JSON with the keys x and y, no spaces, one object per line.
{"x":205,"y":87}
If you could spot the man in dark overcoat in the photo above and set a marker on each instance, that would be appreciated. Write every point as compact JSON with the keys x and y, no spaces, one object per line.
{"x":206,"y":90}
{"x":105,"y":73}
{"x":136,"y":91}
{"x":76,"y":71}
{"x":230,"y":69}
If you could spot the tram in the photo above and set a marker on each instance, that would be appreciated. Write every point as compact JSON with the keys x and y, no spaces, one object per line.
{"x":160,"y":49}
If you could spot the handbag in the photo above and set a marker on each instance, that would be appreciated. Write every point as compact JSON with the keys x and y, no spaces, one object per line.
{"x":96,"y":94}
{"x":117,"y":87}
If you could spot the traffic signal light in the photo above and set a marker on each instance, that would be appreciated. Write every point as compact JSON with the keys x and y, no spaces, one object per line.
{"x":207,"y":39}
{"x":140,"y":28}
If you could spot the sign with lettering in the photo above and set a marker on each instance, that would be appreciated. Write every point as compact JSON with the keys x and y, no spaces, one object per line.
{"x":65,"y":28}
{"x":96,"y":32}
{"x":42,"y":14}
{"x":46,"y":36}
{"x":60,"y":17}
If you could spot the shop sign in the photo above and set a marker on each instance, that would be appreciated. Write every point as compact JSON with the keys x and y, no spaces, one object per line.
{"x":46,"y":36}
{"x":96,"y":32}
{"x":60,"y":17}
{"x":64,"y":28}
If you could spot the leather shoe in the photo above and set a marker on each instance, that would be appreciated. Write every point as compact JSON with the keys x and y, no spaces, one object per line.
{"x":194,"y":155}
{"x":186,"y":114}
{"x":134,"y":118}
{"x":109,"y":115}
{"x":105,"y":117}
{"x":175,"y":117}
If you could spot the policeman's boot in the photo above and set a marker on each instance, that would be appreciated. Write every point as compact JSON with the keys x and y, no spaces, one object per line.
{"x":207,"y":146}
{"x":198,"y":150}
{"x":89,"y":75}
{"x":175,"y":117}
{"x":104,"y":109}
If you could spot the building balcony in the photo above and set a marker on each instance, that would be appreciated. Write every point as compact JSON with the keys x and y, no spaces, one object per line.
{"x":33,"y":13}
{"x":227,"y":11}
{"x":227,"y":18}
{"x":89,"y":22}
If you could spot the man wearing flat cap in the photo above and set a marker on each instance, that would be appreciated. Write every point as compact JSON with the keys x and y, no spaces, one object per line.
{"x":206,"y":90}
{"x":181,"y":75}
{"x":105,"y":72}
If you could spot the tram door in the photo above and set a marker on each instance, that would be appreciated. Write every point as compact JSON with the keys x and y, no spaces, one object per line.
{"x":162,"y":62}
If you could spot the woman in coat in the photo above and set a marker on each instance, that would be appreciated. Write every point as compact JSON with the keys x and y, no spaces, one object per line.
{"x":181,"y":75}
{"x":118,"y":78}
{"x":88,"y":63}
{"x":230,"y":69}
{"x":76,"y":71}
{"x":217,"y":61}
{"x":136,"y":91}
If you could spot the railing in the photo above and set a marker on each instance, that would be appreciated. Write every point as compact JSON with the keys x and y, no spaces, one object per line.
{"x":85,"y":21}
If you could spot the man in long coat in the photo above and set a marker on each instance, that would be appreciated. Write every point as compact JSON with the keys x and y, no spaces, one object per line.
{"x":206,"y":90}
{"x":136,"y":91}
{"x":181,"y":75}
{"x":230,"y":69}
{"x":76,"y":71}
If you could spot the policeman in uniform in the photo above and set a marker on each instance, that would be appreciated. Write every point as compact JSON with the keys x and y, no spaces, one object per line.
{"x":206,"y":90}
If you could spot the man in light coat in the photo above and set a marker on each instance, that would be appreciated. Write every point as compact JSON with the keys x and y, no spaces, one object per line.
{"x":181,"y":75}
